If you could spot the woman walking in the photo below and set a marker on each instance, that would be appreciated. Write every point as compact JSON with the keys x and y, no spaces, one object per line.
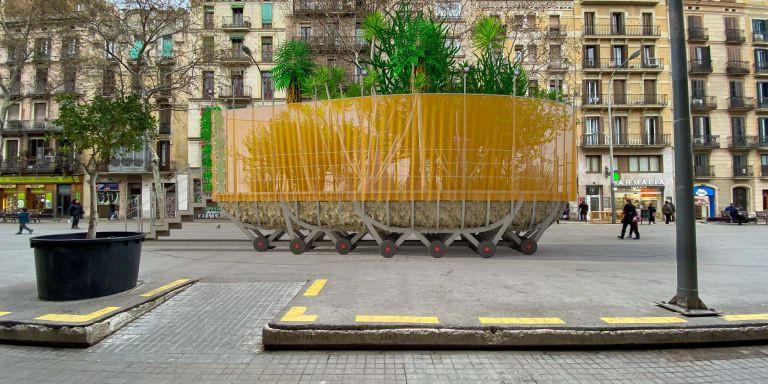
{"x":75,"y":211}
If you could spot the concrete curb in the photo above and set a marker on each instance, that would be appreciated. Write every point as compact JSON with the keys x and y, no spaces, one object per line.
{"x":80,"y":335}
{"x":507,"y":338}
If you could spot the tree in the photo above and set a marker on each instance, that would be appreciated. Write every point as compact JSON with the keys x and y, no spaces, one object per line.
{"x":327,"y":79}
{"x":137,"y":41}
{"x":293,"y":68}
{"x":97,"y":131}
{"x":495,"y":72}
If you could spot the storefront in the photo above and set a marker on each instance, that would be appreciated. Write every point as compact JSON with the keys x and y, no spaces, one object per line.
{"x":106,"y":194}
{"x":48,"y":195}
{"x":642,"y":192}
{"x":704,"y":197}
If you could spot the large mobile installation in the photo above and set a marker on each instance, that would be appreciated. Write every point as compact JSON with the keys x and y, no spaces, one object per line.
{"x":436,"y":169}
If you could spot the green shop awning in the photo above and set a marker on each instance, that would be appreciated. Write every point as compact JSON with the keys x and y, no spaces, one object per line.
{"x":39,"y":179}
{"x":241,"y":5}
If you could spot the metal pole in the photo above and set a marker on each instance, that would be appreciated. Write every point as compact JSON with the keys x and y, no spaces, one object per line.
{"x":687,"y":300}
{"x":610,"y":145}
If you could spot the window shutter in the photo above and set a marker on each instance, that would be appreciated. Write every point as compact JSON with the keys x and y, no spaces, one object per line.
{"x":167,"y":46}
{"x":136,"y":49}
{"x":266,"y":13}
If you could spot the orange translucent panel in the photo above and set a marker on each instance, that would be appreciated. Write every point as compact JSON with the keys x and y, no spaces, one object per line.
{"x":420,"y":147}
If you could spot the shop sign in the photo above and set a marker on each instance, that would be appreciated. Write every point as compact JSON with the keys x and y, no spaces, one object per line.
{"x":40,"y":179}
{"x":35,"y":186}
{"x":703,"y":191}
{"x":107,"y":186}
{"x":639,"y":183}
{"x":7,"y":186}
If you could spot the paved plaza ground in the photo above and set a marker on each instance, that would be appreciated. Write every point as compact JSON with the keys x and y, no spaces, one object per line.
{"x":211,"y":332}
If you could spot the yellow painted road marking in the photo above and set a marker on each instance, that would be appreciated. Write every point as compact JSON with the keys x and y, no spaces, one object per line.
{"x":316,"y":287}
{"x":164,"y":288}
{"x":754,"y":316}
{"x":643,"y":320}
{"x":77,"y":318}
{"x":5,"y":313}
{"x":297,"y":314}
{"x":397,"y":319}
{"x":521,"y":320}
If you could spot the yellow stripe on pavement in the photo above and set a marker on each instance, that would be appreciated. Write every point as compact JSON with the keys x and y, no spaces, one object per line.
{"x":643,"y":320}
{"x":316,"y":287}
{"x":77,"y":318}
{"x":5,"y":313}
{"x":753,"y":316}
{"x":521,"y":320}
{"x":164,"y":288}
{"x":397,"y":319}
{"x":297,"y":314}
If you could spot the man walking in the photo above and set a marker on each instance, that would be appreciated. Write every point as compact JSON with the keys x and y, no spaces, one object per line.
{"x":667,"y":211}
{"x":629,"y":219}
{"x":75,"y":211}
{"x":23,"y":220}
{"x":583,"y":209}
{"x":651,"y":214}
{"x":112,"y":212}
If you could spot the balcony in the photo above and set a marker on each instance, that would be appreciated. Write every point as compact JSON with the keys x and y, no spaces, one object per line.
{"x":698,"y":35}
{"x":764,"y":170}
{"x":600,"y":140}
{"x":759,"y":38}
{"x":734,"y":67}
{"x":625,"y":101}
{"x":237,"y":93}
{"x":557,"y":65}
{"x":45,"y":166}
{"x":706,"y":142}
{"x":743,"y":171}
{"x":762,"y":103}
{"x":42,"y":57}
{"x":164,"y":128}
{"x":132,"y":162}
{"x":557,"y":32}
{"x":234,"y":56}
{"x":69,"y":87}
{"x":41,"y":89}
{"x":742,"y":142}
{"x":647,"y":64}
{"x":741,"y":104}
{"x":30,"y":126}
{"x":238,"y":23}
{"x":622,"y":30}
{"x":703,"y":171}
{"x":700,"y":66}
{"x":761,"y":69}
{"x":735,"y":36}
{"x":762,"y":143}
{"x":703,"y":103}
{"x":338,"y":7}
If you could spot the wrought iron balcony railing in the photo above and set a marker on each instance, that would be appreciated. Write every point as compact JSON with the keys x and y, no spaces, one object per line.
{"x":644,"y":64}
{"x":706,"y":142}
{"x":704,"y":171}
{"x":742,"y":142}
{"x":735,"y":36}
{"x":734,"y":67}
{"x":621,"y":30}
{"x":236,"y":22}
{"x":700,"y":66}
{"x":743,"y":171}
{"x":698,"y":34}
{"x":237,"y":92}
{"x":738,"y":103}
{"x":703,"y":103}
{"x":594,"y":140}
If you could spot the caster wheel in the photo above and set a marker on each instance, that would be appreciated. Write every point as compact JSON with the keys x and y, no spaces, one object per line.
{"x":486,"y":249}
{"x":343,"y":246}
{"x":528,"y":246}
{"x":388,"y":248}
{"x":298,"y":246}
{"x":260,"y":243}
{"x":437,"y":248}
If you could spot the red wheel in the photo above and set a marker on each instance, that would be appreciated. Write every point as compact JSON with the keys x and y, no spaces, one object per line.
{"x":298,"y":246}
{"x":486,"y":249}
{"x":260,"y":243}
{"x":528,"y":246}
{"x":343,"y":246}
{"x":437,"y":248}
{"x":388,"y":248}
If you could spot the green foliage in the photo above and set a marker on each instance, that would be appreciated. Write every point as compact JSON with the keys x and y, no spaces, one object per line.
{"x":102,"y":128}
{"x":495,"y":72}
{"x":293,"y":66}
{"x":324,"y":83}
{"x":409,"y":51}
{"x":206,"y":150}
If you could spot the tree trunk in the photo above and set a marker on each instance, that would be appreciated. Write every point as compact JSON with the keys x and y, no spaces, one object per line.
{"x":93,"y":209}
{"x":3,"y":113}
{"x":160,"y":207}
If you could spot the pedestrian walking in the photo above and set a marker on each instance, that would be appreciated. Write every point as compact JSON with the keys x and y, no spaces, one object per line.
{"x":651,"y":214}
{"x":75,"y":212}
{"x":672,"y":205}
{"x":629,"y":220}
{"x":112,"y":212}
{"x":667,"y":211}
{"x":23,"y":220}
{"x":583,"y":209}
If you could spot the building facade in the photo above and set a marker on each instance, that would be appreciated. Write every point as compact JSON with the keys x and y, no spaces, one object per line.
{"x":624,"y":98}
{"x":728,"y":71}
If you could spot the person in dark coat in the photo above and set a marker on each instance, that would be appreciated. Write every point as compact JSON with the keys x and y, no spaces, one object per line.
{"x":23,"y":220}
{"x":651,"y":214}
{"x":75,"y":212}
{"x":667,"y":211}
{"x":583,"y":209}
{"x":630,"y":212}
{"x":733,"y":212}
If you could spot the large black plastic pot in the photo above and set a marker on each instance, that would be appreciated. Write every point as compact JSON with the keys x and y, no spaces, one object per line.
{"x":69,"y":267}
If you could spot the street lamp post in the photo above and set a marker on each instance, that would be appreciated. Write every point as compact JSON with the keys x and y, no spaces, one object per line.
{"x":610,"y":136}
{"x":249,"y":53}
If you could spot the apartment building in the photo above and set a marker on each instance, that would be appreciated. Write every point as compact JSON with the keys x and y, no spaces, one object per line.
{"x":237,"y":40}
{"x":728,"y":70}
{"x":625,"y":99}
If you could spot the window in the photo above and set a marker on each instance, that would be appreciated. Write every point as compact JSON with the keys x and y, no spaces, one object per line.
{"x":208,"y":17}
{"x":618,"y":54}
{"x":70,"y":47}
{"x":267,"y":88}
{"x":592,"y":91}
{"x":698,"y":90}
{"x":11,"y":149}
{"x":620,"y":130}
{"x":649,"y":56}
{"x":532,"y":52}
{"x":518,"y":53}
{"x":762,"y":130}
{"x":518,"y":22}
{"x":165,"y":120}
{"x":208,"y":48}
{"x":761,"y":59}
{"x":237,"y":17}
{"x":266,"y":49}
{"x":594,"y":164}
{"x":758,"y":29}
{"x":617,"y":23}
{"x":740,"y":200}
{"x":207,"y":84}
{"x":42,"y":49}
{"x":701,"y":126}
{"x":166,"y":47}
{"x":448,"y":9}
{"x":639,"y":164}
{"x":533,"y":86}
{"x":237,"y":47}
{"x":530,"y":21}
{"x":700,"y":56}
{"x":762,"y":93}
{"x":108,"y":82}
{"x":14,"y":112}
{"x":136,"y":49}
{"x":592,"y":134}
{"x":41,"y":111}
{"x":164,"y":155}
{"x":238,"y":86}
{"x":41,"y":80}
{"x":738,"y":130}
{"x":652,"y":133}
{"x":589,"y":23}
{"x":591,"y":56}
{"x":266,"y":15}
{"x":695,"y":31}
{"x":556,"y":85}
{"x":109,"y":49}
{"x":736,"y":88}
{"x":647,"y":23}
{"x":70,"y":79}
{"x":554,"y":23}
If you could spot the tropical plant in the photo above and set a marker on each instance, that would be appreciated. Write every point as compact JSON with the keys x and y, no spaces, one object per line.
{"x":495,"y":72}
{"x":408,"y":50}
{"x":96,"y":132}
{"x":293,"y":67}
{"x":325,"y":83}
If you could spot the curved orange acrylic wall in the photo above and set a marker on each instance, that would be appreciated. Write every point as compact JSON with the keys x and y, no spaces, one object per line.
{"x":421,"y":147}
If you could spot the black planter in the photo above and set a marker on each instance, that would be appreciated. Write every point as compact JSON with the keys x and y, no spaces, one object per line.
{"x":69,"y":267}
